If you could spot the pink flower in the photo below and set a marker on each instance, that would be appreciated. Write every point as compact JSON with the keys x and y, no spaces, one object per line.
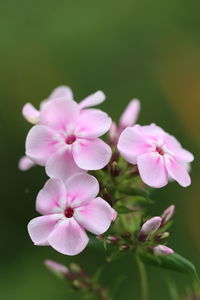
{"x":32,"y":115}
{"x":68,"y":209}
{"x":158,"y":155}
{"x":127,"y":119}
{"x":66,"y":139}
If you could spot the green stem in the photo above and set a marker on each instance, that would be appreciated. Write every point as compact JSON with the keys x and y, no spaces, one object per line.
{"x":143,"y":280}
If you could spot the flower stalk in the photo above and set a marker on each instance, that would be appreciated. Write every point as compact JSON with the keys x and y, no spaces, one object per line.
{"x":144,"y":293}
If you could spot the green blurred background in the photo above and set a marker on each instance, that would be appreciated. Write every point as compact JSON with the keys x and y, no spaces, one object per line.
{"x":145,"y":49}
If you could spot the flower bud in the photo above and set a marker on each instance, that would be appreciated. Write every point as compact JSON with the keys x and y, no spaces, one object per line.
{"x":161,"y":236}
{"x":106,"y":195}
{"x":113,"y":239}
{"x":75,"y":268}
{"x":130,"y":114}
{"x":115,"y":171}
{"x":78,"y":272}
{"x":168,"y":214}
{"x":58,"y":269}
{"x":149,"y":227}
{"x":113,"y":134}
{"x":124,"y":247}
{"x":162,"y":250}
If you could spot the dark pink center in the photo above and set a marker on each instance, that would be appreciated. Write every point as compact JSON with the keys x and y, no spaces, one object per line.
{"x":160,"y":150}
{"x":70,"y":139}
{"x":69,"y":212}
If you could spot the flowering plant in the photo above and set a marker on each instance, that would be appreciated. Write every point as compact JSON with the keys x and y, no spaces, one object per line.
{"x":101,"y":188}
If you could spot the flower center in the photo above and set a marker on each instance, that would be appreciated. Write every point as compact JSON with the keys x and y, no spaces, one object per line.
{"x":70,"y":139}
{"x":160,"y":150}
{"x":69,"y":212}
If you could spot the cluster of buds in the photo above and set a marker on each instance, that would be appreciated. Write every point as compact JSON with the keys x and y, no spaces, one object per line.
{"x":78,"y":279}
{"x":122,"y":242}
{"x":152,"y":234}
{"x":152,"y":231}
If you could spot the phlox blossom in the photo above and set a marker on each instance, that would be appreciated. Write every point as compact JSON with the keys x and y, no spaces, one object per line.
{"x":68,"y":210}
{"x":158,"y":155}
{"x":66,"y":139}
{"x":32,"y":115}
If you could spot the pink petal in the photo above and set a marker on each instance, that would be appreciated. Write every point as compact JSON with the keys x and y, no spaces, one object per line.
{"x":30,"y":113}
{"x":62,"y":165}
{"x":92,"y":123}
{"x":93,"y":100}
{"x":50,"y":197}
{"x":68,"y":237}
{"x":180,"y":153}
{"x":60,"y":114}
{"x":91,"y":154}
{"x":61,"y":92}
{"x":130,"y":114}
{"x":184,"y":156}
{"x":25,"y":163}
{"x":40,"y":228}
{"x":81,"y":188}
{"x":131,"y":144}
{"x":172,"y":142}
{"x":152,"y":169}
{"x":40,"y":144}
{"x":152,"y":131}
{"x":177,"y":171}
{"x":95,"y":217}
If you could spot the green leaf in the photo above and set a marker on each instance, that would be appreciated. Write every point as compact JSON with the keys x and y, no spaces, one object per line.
{"x":124,"y":210}
{"x":174,"y":262}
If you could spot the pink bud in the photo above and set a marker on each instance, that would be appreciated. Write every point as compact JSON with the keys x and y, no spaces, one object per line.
{"x":130,"y":115}
{"x":168,"y":214}
{"x":149,"y":227}
{"x":162,"y":250}
{"x":113,"y":238}
{"x":56,"y":267}
{"x":113,"y":134}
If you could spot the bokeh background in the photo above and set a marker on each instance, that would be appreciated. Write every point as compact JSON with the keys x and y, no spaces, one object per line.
{"x":145,"y":49}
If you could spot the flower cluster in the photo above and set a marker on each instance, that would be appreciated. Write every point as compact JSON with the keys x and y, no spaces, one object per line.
{"x":78,"y":280}
{"x":92,"y":182}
